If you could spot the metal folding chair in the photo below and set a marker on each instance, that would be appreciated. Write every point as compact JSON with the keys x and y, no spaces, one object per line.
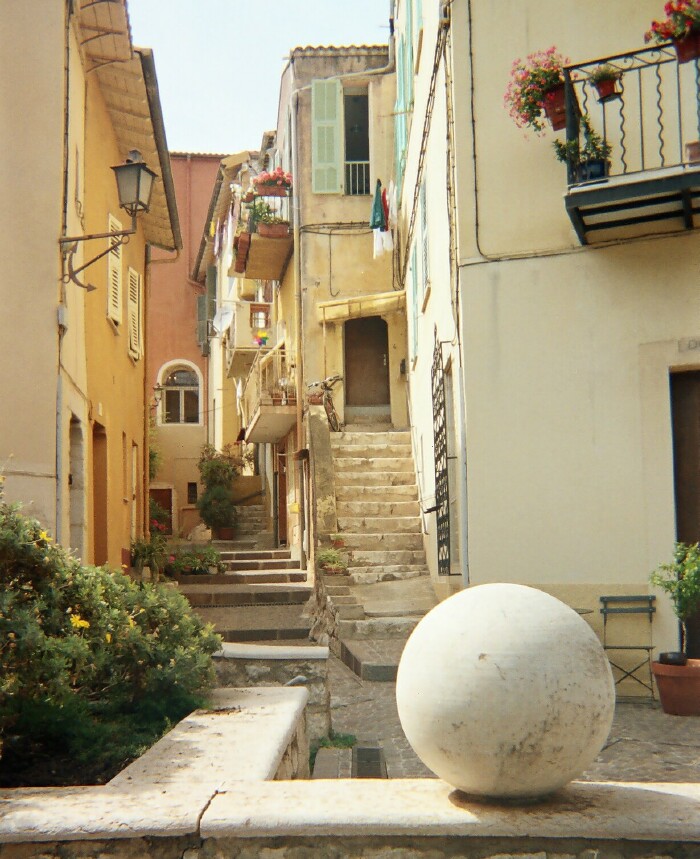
{"x":613,"y":607}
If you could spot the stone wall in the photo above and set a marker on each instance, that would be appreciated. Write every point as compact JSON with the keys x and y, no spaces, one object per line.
{"x":272,"y":665}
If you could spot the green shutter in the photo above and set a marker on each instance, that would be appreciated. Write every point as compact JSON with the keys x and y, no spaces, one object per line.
{"x":202,"y":340}
{"x":211,"y":291}
{"x":326,"y":136}
{"x":408,"y":57}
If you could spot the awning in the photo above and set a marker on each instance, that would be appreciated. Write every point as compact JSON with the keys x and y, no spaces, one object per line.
{"x":358,"y":306}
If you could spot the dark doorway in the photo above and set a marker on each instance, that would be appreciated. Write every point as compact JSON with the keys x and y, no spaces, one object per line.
{"x":164,"y":498}
{"x":685,"y":414}
{"x":282,"y":494}
{"x":366,"y":362}
{"x":100,"y":523}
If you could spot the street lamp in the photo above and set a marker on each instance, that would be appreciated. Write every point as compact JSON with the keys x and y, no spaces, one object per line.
{"x":134,"y":187}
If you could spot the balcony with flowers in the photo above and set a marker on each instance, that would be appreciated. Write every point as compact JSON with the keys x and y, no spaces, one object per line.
{"x":264,"y":243}
{"x":630,"y":126}
{"x":269,"y":399}
{"x":251,"y":331}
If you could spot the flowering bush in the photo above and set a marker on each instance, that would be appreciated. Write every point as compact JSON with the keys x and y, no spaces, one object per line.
{"x":682,"y":16}
{"x":93,"y":666}
{"x":530,"y":83}
{"x":277,"y":177}
{"x":194,"y":560}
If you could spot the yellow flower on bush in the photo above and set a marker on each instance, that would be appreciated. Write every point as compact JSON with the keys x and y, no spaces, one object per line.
{"x":77,"y":622}
{"x":108,"y":637}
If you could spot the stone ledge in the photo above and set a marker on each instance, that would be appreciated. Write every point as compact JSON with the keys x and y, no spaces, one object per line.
{"x":231,"y":650}
{"x":431,"y":808}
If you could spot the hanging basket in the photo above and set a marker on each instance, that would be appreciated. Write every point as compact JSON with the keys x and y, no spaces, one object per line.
{"x":607,"y":89}
{"x":688,"y":49}
{"x":554,"y":106}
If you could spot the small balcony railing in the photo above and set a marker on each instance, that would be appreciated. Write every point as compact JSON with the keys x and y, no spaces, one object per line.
{"x":269,"y":397}
{"x":652,"y":124}
{"x":356,"y":178}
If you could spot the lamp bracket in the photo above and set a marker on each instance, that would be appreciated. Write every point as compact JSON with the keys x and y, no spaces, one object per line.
{"x":69,"y":245}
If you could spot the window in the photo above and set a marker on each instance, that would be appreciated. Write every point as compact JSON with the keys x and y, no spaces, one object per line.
{"x":191,"y":493}
{"x":181,"y":397}
{"x":114,"y":274}
{"x":339,"y":138}
{"x":134,"y":314}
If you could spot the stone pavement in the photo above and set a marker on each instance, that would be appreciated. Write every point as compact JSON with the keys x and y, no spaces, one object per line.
{"x":644,"y":744}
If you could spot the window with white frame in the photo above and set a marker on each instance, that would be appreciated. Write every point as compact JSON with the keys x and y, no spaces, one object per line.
{"x":180,"y":403}
{"x":114,"y":274}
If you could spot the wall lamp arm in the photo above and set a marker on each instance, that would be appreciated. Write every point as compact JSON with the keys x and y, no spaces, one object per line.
{"x":69,"y":245}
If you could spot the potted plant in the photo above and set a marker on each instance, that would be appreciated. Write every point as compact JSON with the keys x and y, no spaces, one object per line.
{"x":217,"y":469}
{"x":605,"y":78}
{"x":149,"y":553}
{"x":679,"y":684}
{"x":276,"y":183}
{"x":536,"y":86}
{"x":588,"y":157}
{"x":681,"y":26}
{"x":332,"y":562}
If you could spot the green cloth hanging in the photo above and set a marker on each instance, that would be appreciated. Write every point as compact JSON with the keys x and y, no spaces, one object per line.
{"x":377,"y":219}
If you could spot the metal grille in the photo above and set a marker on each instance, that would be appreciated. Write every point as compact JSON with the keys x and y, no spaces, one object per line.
{"x":442,"y":493}
{"x":356,"y":177}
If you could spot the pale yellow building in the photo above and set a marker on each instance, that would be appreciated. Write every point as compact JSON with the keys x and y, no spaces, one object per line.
{"x":77,"y":100}
{"x":557,"y":309}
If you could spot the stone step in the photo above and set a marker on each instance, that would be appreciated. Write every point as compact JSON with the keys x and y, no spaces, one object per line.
{"x":364,"y":464}
{"x":377,"y":508}
{"x":387,"y":573}
{"x":377,"y":628}
{"x":343,"y":599}
{"x":371,"y":477}
{"x":373,"y":558}
{"x":349,"y":494}
{"x":337,"y":590}
{"x":240,"y":595}
{"x":348,"y":611}
{"x":369,"y":542}
{"x":249,"y":577}
{"x":257,"y":623}
{"x":263,"y":564}
{"x":257,"y":555}
{"x":352,"y":437}
{"x":380,"y":524}
{"x":380,"y":452}
{"x":373,"y":660}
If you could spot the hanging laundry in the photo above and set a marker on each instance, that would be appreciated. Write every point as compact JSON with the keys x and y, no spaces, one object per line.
{"x":378,"y":222}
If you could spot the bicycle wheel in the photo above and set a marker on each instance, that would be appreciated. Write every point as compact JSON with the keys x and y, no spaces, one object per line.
{"x":333,"y":421}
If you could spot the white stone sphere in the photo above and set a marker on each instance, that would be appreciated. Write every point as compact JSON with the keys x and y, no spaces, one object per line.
{"x":505,"y":692}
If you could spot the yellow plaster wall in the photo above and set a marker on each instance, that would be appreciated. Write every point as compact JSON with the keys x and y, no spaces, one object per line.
{"x":115,"y":380}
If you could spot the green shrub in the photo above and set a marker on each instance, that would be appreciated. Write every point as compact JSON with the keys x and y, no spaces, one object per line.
{"x":92,"y":664}
{"x":332,"y":558}
{"x":681,"y":581}
{"x":217,"y":507}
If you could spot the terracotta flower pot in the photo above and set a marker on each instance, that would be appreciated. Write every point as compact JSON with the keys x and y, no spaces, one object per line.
{"x":607,"y":89}
{"x":679,"y":687}
{"x":554,"y":106}
{"x":688,"y":49}
{"x":692,"y":151}
{"x":273,"y":231}
{"x":271,"y":190}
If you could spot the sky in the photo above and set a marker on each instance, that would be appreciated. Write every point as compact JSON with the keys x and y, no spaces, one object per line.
{"x":219,"y":62}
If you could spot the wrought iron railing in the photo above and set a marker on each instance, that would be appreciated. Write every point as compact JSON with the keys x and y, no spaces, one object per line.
{"x":649,"y":119}
{"x":356,"y":177}
{"x":271,"y":381}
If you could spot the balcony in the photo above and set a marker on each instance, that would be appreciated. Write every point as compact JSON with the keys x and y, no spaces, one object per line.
{"x":651,"y":182}
{"x":250,"y":319}
{"x":268,"y":401}
{"x":262,"y":251}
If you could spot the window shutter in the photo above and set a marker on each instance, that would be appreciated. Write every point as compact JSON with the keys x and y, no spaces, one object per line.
{"x":424,"y":235}
{"x":326,"y":136}
{"x":202,"y":340}
{"x":211,"y":291}
{"x":134,"y":314}
{"x":407,"y":70}
{"x":114,"y":274}
{"x":400,"y":118}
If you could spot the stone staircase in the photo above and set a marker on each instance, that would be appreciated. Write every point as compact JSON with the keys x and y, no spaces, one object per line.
{"x":260,"y":596}
{"x":386,"y":590}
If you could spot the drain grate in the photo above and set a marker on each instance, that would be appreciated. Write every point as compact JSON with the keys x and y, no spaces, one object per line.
{"x":368,"y":761}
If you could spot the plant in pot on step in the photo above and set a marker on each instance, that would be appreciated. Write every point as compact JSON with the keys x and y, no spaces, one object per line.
{"x":332,"y":562}
{"x":588,"y":155}
{"x":218,"y":469}
{"x":677,"y":677}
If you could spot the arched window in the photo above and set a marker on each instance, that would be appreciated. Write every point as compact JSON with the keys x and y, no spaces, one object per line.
{"x":181,"y":397}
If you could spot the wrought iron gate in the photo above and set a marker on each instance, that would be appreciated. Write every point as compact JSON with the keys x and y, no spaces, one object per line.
{"x":442,"y":492}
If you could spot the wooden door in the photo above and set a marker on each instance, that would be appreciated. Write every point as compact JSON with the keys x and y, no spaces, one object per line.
{"x":164,"y":499}
{"x":685,"y":414}
{"x":366,"y":362}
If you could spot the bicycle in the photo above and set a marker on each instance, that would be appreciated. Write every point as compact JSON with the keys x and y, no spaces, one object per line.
{"x":326,"y":386}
